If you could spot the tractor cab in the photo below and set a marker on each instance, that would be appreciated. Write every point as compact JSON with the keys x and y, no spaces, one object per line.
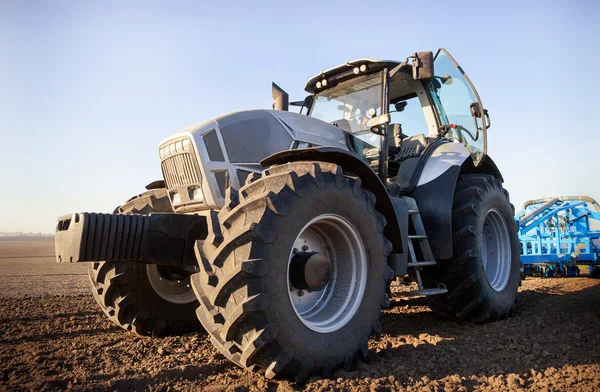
{"x":383,"y":103}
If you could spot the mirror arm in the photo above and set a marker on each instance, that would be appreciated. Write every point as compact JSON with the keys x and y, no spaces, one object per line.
{"x":443,"y":130}
{"x":397,"y":68}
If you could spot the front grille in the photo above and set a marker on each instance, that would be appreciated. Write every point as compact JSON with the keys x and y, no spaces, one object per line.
{"x":180,"y":170}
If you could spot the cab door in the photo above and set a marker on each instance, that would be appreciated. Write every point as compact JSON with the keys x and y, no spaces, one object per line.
{"x":459,"y":107}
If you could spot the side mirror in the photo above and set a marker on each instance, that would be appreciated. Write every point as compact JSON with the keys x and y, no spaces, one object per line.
{"x":422,"y":65}
{"x":308,"y":101}
{"x":303,"y":104}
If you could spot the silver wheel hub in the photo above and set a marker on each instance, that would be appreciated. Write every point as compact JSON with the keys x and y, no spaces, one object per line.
{"x":327,"y":273}
{"x":496,"y":252}
{"x":170,"y":285}
{"x":309,"y":271}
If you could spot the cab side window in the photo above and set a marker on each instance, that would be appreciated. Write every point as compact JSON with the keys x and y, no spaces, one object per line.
{"x":409,"y":114}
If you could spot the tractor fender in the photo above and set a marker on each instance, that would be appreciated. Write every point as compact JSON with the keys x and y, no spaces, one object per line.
{"x":434,"y":192}
{"x":395,"y":211}
{"x":158,"y":184}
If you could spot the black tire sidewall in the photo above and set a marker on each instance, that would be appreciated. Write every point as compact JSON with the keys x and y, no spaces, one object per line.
{"x":179,"y":318}
{"x":503,"y":300}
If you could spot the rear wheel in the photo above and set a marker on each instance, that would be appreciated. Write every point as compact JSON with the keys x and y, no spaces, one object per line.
{"x":484,"y":273}
{"x":147,"y":299}
{"x":293,"y":272}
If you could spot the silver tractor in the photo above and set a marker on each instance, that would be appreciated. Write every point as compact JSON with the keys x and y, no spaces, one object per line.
{"x":279,"y":233}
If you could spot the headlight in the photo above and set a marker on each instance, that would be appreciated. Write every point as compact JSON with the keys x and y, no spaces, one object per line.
{"x":175,"y":198}
{"x":197,"y":194}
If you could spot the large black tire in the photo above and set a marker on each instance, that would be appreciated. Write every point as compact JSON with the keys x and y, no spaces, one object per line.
{"x":125,"y":292}
{"x":471,"y":296}
{"x":243,"y":281}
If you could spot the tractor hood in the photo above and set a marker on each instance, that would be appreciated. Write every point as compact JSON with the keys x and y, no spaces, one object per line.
{"x":225,"y":150}
{"x":251,"y":135}
{"x":255,"y":126}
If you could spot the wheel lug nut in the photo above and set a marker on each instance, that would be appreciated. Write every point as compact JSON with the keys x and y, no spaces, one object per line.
{"x":304,"y":248}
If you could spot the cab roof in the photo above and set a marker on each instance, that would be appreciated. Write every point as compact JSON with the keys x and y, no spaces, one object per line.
{"x":346,"y":71}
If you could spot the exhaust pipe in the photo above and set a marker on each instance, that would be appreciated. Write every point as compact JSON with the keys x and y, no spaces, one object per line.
{"x":281,"y":98}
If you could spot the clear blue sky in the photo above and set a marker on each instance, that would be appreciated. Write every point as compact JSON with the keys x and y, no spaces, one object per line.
{"x":88,"y":88}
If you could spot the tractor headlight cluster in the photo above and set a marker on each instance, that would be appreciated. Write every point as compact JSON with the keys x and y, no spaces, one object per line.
{"x":196,"y":193}
{"x":174,"y":148}
{"x":175,"y":198}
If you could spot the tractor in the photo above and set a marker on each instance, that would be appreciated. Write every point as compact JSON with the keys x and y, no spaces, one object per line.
{"x":279,"y":232}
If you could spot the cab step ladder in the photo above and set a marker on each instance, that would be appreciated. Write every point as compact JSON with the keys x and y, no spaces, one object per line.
{"x":418,"y":238}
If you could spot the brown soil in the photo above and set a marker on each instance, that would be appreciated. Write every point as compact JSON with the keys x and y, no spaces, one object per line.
{"x":55,"y":339}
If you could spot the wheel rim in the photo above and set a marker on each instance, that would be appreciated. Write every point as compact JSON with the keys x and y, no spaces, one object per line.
{"x":332,"y":307}
{"x":496,"y":252}
{"x":170,"y":284}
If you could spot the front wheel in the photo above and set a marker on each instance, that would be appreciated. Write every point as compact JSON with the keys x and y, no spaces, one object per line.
{"x":293,"y":272}
{"x":147,"y":299}
{"x":483,"y":274}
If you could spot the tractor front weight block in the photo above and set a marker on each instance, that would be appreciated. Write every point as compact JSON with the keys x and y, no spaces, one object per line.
{"x":166,"y":239}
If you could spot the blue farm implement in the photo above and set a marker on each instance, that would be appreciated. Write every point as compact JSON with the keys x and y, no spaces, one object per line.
{"x":559,"y":234}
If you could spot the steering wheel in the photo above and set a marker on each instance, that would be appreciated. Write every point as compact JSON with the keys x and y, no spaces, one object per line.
{"x":355,"y":115}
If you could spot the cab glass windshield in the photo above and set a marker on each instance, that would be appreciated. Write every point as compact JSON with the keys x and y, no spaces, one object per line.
{"x":347,"y":104}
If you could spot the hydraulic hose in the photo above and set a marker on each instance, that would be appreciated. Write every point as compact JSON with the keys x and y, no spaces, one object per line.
{"x":562,"y":198}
